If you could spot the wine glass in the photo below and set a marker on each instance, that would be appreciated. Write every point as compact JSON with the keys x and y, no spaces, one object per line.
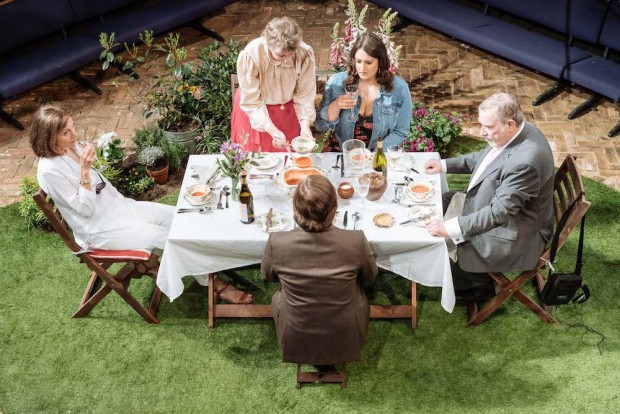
{"x":97,"y":165}
{"x":363,"y":186}
{"x":352,"y":91}
{"x":394,"y":153}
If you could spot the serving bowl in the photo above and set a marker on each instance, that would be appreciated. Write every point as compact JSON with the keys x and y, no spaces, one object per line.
{"x":291,"y":176}
{"x":303,"y":145}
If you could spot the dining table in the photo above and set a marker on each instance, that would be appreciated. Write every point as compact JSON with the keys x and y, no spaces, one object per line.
{"x":203,"y":242}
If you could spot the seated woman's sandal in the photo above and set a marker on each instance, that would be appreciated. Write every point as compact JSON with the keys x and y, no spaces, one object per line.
{"x":228,"y":292}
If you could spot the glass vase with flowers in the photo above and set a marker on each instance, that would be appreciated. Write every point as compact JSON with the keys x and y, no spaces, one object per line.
{"x":234,"y":162}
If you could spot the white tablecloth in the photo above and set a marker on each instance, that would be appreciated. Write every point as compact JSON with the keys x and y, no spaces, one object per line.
{"x":200,"y":244}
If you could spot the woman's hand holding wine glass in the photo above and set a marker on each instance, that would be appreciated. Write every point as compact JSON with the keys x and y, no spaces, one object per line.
{"x":353,"y":92}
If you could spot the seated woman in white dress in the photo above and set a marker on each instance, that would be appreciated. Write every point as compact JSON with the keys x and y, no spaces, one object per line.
{"x":99,"y":216}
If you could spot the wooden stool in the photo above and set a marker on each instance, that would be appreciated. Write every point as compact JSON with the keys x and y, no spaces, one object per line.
{"x":314,"y":377}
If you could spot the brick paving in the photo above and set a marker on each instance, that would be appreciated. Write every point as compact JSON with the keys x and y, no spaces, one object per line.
{"x":443,"y":73}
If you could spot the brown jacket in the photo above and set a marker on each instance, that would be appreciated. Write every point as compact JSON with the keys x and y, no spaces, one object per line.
{"x":320,"y":311}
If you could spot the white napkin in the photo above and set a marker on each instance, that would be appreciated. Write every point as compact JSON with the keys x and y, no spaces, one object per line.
{"x":204,"y":171}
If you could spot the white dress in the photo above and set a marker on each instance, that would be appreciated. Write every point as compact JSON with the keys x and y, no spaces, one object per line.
{"x":107,"y":220}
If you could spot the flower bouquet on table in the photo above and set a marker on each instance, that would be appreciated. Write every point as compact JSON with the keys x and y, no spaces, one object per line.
{"x":235,"y":161}
{"x":432,"y":130}
{"x":353,"y":27}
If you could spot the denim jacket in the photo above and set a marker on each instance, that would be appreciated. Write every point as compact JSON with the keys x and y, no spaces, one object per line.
{"x":391,"y":113}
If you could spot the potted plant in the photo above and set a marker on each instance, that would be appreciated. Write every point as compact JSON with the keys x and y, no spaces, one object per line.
{"x":432,"y":130}
{"x":174,"y":99}
{"x":155,"y":163}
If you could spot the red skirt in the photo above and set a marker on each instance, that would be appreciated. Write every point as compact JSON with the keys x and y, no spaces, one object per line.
{"x":282,"y":116}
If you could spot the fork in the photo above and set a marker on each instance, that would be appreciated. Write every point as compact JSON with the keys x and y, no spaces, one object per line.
{"x":337,"y":165}
{"x":219,"y":202}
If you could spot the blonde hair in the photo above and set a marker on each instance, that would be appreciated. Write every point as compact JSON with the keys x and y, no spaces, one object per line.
{"x":505,"y":107}
{"x":48,"y":122}
{"x":282,"y":34}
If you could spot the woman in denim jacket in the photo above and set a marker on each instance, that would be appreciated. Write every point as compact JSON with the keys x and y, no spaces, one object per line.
{"x":384,"y":105}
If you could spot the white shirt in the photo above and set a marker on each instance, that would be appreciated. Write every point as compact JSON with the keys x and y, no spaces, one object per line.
{"x":86,"y":212}
{"x":452,"y":226}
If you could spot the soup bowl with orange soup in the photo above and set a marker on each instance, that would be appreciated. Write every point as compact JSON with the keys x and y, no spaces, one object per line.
{"x":292,"y":176}
{"x":197,"y":193}
{"x":420,"y":190}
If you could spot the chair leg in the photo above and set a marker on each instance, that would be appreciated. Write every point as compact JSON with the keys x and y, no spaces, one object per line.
{"x":11,"y":119}
{"x":211,"y":297}
{"x":584,"y":107}
{"x":508,"y":289}
{"x":614,"y":130}
{"x":196,"y":24}
{"x":559,"y":87}
{"x":414,"y":305}
{"x":76,"y":76}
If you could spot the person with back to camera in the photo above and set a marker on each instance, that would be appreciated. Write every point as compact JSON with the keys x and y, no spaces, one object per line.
{"x":384,"y":105}
{"x":277,"y":87}
{"x":506,"y":218}
{"x":99,"y":216}
{"x":321,"y":312}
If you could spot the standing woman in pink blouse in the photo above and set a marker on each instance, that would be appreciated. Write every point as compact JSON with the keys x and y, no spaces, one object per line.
{"x":277,"y":86}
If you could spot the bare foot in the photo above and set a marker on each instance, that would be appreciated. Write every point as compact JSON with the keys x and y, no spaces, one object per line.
{"x":231,"y":294}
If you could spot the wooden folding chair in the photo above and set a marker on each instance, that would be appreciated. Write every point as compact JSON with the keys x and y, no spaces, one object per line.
{"x":338,"y":377}
{"x":567,"y":189}
{"x":137,"y":263}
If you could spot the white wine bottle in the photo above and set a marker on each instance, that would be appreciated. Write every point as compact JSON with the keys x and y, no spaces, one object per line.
{"x":379,"y":161}
{"x":246,"y":201}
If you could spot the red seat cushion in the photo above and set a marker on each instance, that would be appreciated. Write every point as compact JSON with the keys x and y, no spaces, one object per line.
{"x":136,"y":255}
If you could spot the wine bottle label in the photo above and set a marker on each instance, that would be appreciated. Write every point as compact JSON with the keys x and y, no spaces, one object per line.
{"x":244,"y":212}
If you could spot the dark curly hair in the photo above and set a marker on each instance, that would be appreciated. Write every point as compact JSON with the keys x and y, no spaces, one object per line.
{"x":374,"y":46}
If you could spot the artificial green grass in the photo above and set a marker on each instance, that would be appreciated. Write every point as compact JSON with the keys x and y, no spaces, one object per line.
{"x":113,"y":361}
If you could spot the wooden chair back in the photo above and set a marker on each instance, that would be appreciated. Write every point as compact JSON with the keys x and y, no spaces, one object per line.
{"x":234,"y":85}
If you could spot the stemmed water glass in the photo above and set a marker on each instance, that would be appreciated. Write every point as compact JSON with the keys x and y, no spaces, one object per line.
{"x":362,"y":185}
{"x":352,"y":91}
{"x":97,"y":165}
{"x":394,"y":153}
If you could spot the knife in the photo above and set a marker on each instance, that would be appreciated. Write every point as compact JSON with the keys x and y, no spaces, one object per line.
{"x":342,"y":169}
{"x":285,"y":159}
{"x":345,"y":219}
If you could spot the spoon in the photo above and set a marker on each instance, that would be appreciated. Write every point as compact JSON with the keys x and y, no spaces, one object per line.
{"x":357,"y":216}
{"x":226,"y":190}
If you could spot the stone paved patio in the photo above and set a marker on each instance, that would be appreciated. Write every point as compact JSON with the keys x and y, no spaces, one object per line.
{"x":442,"y":72}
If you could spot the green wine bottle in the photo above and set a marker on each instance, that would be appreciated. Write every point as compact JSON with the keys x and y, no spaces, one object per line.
{"x":379,"y":161}
{"x":246,"y":201}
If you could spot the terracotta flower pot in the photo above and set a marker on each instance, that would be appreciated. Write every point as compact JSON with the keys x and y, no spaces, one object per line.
{"x":159,"y":176}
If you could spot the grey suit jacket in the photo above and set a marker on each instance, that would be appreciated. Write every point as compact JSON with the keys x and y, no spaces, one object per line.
{"x":507,"y":217}
{"x":321,"y":312}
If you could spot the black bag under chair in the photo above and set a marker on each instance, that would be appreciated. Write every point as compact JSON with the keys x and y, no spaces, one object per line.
{"x":561,"y":288}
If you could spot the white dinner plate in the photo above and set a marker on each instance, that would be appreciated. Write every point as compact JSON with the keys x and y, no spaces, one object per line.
{"x":422,"y":214}
{"x":265,"y":160}
{"x":193,"y":204}
{"x":410,"y":196}
{"x":279,"y":222}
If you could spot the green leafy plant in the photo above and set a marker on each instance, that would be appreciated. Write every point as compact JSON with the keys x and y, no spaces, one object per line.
{"x":432,"y":130}
{"x":152,"y":157}
{"x":218,"y":62}
{"x":27,"y":208}
{"x":135,"y":180}
{"x":152,"y":136}
{"x":174,"y":97}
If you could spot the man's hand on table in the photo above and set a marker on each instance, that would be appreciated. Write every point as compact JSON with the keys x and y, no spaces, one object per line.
{"x":432,"y":166}
{"x":436,"y":227}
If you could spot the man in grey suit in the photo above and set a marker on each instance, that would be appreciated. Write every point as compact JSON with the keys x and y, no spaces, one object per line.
{"x":507,"y":212}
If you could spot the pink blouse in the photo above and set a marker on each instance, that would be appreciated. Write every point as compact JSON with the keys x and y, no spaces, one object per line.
{"x":264,"y":81}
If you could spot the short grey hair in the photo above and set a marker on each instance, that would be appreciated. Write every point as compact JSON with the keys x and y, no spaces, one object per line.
{"x":505,"y":107}
{"x":282,"y":34}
